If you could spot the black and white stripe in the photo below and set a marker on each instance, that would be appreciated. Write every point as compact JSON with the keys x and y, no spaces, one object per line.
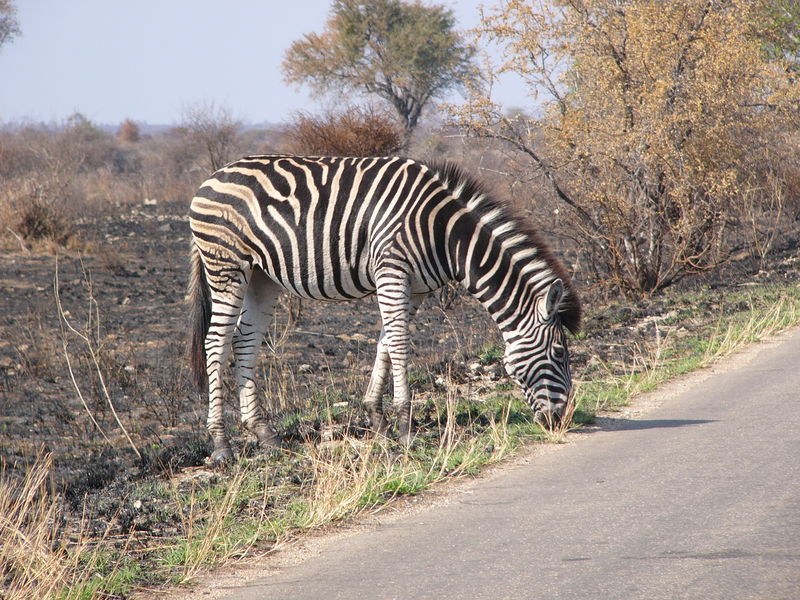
{"x":342,"y":228}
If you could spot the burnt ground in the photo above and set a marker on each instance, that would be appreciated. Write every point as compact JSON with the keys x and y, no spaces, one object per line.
{"x":123,"y":293}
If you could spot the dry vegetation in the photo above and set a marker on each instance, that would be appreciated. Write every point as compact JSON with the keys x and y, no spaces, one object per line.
{"x":355,"y":131}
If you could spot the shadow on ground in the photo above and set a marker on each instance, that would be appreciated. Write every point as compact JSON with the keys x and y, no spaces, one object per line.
{"x":622,"y":424}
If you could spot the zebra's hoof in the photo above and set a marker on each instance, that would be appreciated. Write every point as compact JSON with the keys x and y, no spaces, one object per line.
{"x":222,"y":456}
{"x":267,"y":439}
{"x":381,"y":428}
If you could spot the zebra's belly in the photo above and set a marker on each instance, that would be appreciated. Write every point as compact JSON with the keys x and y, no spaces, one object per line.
{"x":344,"y":286}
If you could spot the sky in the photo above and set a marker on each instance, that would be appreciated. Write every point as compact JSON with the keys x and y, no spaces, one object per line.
{"x":151,"y":60}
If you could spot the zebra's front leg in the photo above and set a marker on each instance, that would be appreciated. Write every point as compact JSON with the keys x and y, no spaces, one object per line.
{"x":373,"y":399}
{"x":394,"y":300}
{"x":257,"y":312}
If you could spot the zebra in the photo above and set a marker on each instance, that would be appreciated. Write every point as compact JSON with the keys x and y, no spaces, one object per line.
{"x":338,"y":228}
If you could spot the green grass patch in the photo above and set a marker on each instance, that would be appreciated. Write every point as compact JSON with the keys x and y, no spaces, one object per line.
{"x":720,"y":325}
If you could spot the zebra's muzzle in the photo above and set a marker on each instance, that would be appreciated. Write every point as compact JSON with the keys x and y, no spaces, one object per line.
{"x":548,"y":412}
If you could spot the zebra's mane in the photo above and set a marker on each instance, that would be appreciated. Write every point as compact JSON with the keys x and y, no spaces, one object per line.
{"x":483,"y":204}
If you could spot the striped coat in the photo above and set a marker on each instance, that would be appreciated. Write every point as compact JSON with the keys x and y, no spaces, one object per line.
{"x":341,"y":228}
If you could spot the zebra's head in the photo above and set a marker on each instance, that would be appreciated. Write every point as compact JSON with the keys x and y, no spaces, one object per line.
{"x":539,"y":361}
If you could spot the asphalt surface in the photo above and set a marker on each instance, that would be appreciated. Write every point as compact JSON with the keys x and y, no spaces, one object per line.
{"x":698,"y":498}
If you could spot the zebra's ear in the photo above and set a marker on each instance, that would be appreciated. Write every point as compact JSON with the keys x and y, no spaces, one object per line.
{"x":553,"y":296}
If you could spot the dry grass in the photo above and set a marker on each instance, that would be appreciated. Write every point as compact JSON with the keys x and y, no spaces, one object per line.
{"x":205,"y":533}
{"x":37,"y":561}
{"x":555,"y":432}
{"x":758,"y":323}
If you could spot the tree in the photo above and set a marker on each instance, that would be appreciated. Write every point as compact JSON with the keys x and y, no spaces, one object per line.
{"x":656,"y":117}
{"x":9,"y":27}
{"x":406,"y":53}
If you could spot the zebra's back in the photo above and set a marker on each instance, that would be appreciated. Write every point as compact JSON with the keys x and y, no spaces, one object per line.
{"x":313,"y":224}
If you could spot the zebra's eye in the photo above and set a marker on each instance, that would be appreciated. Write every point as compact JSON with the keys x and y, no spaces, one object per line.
{"x":559,"y":352}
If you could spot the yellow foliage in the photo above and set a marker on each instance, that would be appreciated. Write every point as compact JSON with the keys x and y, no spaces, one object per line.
{"x":657,"y":114}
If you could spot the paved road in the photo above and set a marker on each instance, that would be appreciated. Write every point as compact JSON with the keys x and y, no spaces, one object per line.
{"x":698,"y":498}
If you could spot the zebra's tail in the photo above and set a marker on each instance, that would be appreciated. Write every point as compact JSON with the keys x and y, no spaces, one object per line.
{"x":199,"y":300}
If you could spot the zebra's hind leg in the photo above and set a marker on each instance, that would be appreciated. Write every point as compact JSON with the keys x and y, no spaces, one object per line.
{"x":256,"y":316}
{"x":227,"y":296}
{"x":373,"y":399}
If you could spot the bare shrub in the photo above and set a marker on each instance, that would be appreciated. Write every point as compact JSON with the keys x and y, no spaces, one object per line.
{"x":213,"y":133}
{"x":34,"y":211}
{"x":355,"y":131}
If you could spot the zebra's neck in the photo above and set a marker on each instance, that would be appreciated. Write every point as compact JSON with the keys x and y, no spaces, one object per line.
{"x":500,"y":266}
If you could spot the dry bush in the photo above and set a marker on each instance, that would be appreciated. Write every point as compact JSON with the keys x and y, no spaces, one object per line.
{"x":355,"y":131}
{"x":36,"y":210}
{"x":128,"y":132}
